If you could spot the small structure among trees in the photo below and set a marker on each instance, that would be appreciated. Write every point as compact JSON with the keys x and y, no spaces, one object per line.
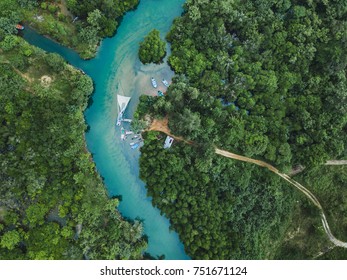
{"x":168,"y":142}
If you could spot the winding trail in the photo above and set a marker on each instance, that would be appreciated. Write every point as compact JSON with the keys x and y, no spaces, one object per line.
{"x":333,"y":162}
{"x":336,"y":162}
{"x":162,"y":126}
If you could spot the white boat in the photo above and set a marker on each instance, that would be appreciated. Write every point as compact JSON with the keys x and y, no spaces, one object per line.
{"x":123,"y":102}
{"x":119,"y":119}
{"x":128,"y":132}
{"x":154,"y":83}
{"x":122,"y":134}
{"x":135,"y":146}
{"x":165,"y":82}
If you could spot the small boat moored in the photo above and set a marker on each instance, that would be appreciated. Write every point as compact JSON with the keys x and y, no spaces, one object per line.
{"x":160,"y":93}
{"x":122,"y":103}
{"x":19,"y":27}
{"x":123,"y":134}
{"x":135,"y":146}
{"x":119,"y":118}
{"x":154,"y":82}
{"x":165,"y":82}
{"x":81,"y":70}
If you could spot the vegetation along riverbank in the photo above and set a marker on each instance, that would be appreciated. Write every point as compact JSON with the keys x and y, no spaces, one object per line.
{"x":76,"y":24}
{"x":267,"y":80}
{"x":53,"y":204}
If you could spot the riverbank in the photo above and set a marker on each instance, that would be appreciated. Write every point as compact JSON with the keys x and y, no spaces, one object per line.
{"x":238,"y":88}
{"x":49,"y":184}
{"x":72,"y":25}
{"x":117,"y":69}
{"x":124,"y":74}
{"x":162,"y":126}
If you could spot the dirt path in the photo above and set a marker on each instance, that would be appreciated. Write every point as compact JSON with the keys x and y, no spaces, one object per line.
{"x":294,"y":183}
{"x":301,"y":168}
{"x":25,"y":76}
{"x":336,"y":162}
{"x":64,"y":10}
{"x":296,"y":170}
{"x":246,"y":159}
{"x":162,"y":126}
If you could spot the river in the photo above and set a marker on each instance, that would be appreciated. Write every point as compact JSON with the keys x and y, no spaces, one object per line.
{"x":117,"y":69}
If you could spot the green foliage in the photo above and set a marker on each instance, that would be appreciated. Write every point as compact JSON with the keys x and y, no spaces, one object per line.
{"x":53,"y":203}
{"x":96,"y":19}
{"x":217,"y":213}
{"x":55,"y":61}
{"x":7,"y":26}
{"x":9,"y":43}
{"x":35,"y":214}
{"x":52,"y":8}
{"x":284,"y":73}
{"x":27,"y":3}
{"x":265,"y":79}
{"x":305,"y":236}
{"x":152,"y":49}
{"x":9,"y":17}
{"x":43,"y":5}
{"x":188,"y":123}
{"x":10,"y":239}
{"x":101,"y":14}
{"x":88,"y":35}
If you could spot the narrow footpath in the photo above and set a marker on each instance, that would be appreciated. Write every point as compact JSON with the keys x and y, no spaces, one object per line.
{"x":162,"y":126}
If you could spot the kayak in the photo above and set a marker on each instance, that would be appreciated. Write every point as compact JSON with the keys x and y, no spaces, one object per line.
{"x":154,"y":82}
{"x":135,"y":146}
{"x":165,"y":82}
{"x":122,"y":134}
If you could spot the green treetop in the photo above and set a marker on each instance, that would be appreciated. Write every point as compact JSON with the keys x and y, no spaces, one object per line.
{"x":152,"y":49}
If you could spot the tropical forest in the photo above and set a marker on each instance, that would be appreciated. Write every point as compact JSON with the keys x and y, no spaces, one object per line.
{"x":255,"y":107}
{"x":53,"y":204}
{"x":152,"y":49}
{"x":263,"y":79}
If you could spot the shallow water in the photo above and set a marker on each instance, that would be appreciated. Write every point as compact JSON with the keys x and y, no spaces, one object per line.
{"x":117,"y":69}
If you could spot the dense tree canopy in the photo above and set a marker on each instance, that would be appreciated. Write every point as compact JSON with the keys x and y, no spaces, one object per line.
{"x":281,"y":65}
{"x":79,"y":24}
{"x":218,"y":213}
{"x":266,"y":79}
{"x":53,"y":204}
{"x":305,"y":237}
{"x":152,"y":49}
{"x":101,"y":14}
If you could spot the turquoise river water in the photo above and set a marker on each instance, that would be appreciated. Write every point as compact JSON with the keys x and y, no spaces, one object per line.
{"x":117,"y":69}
